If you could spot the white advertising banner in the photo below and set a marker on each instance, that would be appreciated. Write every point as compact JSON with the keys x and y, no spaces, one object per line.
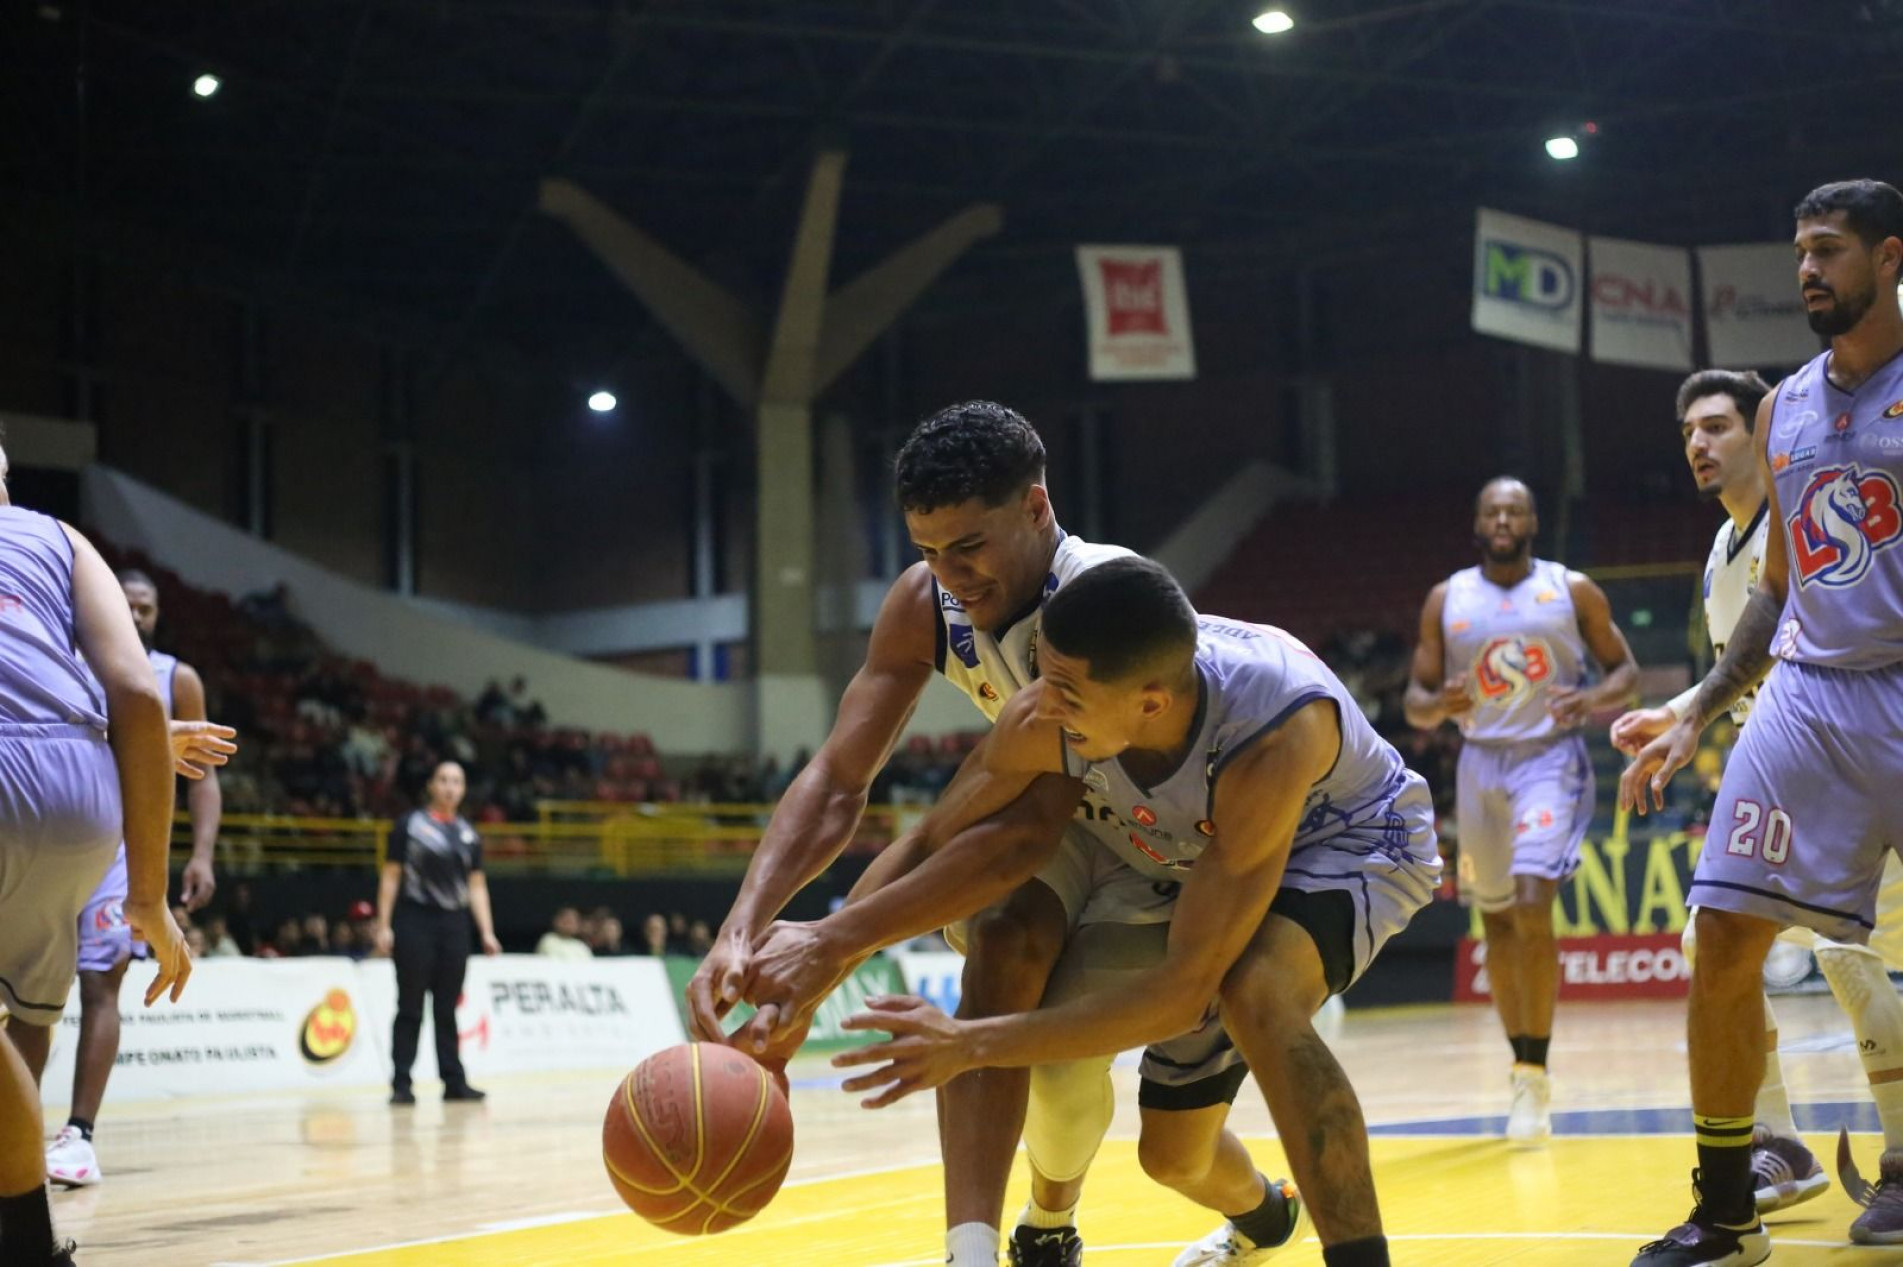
{"x":286,"y":1024}
{"x":242,"y":1025}
{"x":1754,"y":314}
{"x":1136,"y":310}
{"x":1527,"y":281}
{"x":1641,"y":304}
{"x":935,"y":976}
{"x":524,"y":1013}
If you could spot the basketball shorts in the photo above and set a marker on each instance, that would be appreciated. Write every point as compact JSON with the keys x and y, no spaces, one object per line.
{"x":105,"y":939}
{"x":1523,"y":809}
{"x":60,"y":825}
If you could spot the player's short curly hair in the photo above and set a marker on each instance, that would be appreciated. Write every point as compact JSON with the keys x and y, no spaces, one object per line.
{"x":1872,"y":209}
{"x":1124,"y":617}
{"x":978,"y":449}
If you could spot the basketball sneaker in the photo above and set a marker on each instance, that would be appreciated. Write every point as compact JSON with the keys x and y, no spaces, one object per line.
{"x":1045,"y":1247}
{"x":70,"y":1160}
{"x":1700,"y":1242}
{"x":1881,"y":1222}
{"x":1227,"y":1247}
{"x":1784,"y":1173}
{"x":465,"y":1093}
{"x":1530,"y":1119}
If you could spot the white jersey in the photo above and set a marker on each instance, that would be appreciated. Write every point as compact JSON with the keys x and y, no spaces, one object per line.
{"x":992,"y":666}
{"x":1731,"y":573}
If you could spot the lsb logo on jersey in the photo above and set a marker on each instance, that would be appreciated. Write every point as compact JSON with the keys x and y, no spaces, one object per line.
{"x":1843,"y":517}
{"x":1508,"y":668}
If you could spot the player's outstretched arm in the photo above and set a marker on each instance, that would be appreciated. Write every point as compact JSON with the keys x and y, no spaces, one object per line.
{"x":1431,"y":697}
{"x":198,"y":747}
{"x":1747,"y":658}
{"x":1258,"y":806}
{"x":997,"y":823}
{"x":141,"y":748}
{"x":821,"y":809}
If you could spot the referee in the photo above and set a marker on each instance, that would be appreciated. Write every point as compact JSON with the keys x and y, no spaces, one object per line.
{"x":435,"y":860}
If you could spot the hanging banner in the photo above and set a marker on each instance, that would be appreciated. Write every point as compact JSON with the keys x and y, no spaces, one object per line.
{"x":1527,"y":281}
{"x":1641,"y":304}
{"x":1137,"y":312}
{"x":1754,"y":313}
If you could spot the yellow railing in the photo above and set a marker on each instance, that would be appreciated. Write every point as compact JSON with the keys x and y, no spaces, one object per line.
{"x":604,"y":839}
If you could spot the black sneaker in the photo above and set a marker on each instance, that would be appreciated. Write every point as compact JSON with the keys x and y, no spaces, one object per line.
{"x":402,"y":1095}
{"x":1700,"y":1242}
{"x":63,"y":1255}
{"x":1045,"y":1247}
{"x":466,"y":1093}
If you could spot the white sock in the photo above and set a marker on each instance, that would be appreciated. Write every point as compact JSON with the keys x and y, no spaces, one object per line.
{"x":1862,"y":985}
{"x":1037,"y":1216}
{"x":1774,"y":1103}
{"x":971,"y":1245}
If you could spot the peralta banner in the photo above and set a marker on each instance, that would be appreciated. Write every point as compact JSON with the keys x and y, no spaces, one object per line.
{"x":1136,"y":311}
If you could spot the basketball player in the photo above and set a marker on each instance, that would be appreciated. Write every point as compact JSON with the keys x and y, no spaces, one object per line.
{"x":84,"y":763}
{"x":1241,"y":767}
{"x":105,"y":945}
{"x":1502,"y":651}
{"x":1807,"y":810}
{"x":1717,"y":412}
{"x":970,"y":480}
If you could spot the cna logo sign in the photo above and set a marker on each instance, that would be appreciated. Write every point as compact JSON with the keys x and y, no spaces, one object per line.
{"x":1843,"y":517}
{"x":1526,"y":275}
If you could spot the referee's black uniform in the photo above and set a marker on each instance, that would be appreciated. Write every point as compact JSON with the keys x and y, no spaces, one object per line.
{"x":431,"y":927}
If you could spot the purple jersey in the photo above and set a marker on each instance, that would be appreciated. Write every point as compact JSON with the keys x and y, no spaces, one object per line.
{"x":1837,"y":459}
{"x":165,"y":668}
{"x":1513,"y":645}
{"x":42,"y":680}
{"x":1370,"y":806}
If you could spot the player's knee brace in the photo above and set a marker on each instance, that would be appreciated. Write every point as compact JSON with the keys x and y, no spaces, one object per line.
{"x":1861,"y":984}
{"x":1070,"y":1110}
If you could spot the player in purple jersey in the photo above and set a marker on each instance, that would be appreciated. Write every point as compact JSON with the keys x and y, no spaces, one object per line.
{"x":1235,"y":760}
{"x":1503,"y":650}
{"x":105,"y":944}
{"x":84,"y":762}
{"x":1807,"y":812}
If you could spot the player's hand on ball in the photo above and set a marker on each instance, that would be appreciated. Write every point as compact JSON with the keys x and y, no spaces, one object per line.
{"x":1640,"y":727}
{"x":198,"y":747}
{"x":152,"y":923}
{"x":927,"y":1049}
{"x":794,"y":966}
{"x":1655,"y":765}
{"x":1567,"y":706}
{"x":717,"y":983}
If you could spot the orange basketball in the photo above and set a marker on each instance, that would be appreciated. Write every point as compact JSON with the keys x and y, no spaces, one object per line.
{"x":697,"y":1139}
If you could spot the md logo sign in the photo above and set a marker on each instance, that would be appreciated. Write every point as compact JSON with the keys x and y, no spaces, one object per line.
{"x":1526,"y":275}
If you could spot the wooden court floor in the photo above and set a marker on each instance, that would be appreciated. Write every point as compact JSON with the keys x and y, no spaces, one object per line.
{"x":344,"y":1179}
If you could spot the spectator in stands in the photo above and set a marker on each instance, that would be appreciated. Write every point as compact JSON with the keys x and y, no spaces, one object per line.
{"x":316,"y":935}
{"x":182,"y":916}
{"x":528,"y":712}
{"x":607,"y":938}
{"x":654,"y":934}
{"x":218,"y":939}
{"x":773,"y":780}
{"x":238,"y":914}
{"x":563,"y":939}
{"x":343,"y":941}
{"x":677,"y":934}
{"x":195,"y":942}
{"x":288,"y":942}
{"x":492,"y":706}
{"x":700,"y":938}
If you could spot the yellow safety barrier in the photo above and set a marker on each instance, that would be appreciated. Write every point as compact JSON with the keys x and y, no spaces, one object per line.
{"x":573,"y":838}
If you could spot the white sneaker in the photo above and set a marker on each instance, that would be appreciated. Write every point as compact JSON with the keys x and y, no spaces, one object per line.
{"x":1226,"y":1247}
{"x":1530,"y":1120}
{"x":70,"y":1160}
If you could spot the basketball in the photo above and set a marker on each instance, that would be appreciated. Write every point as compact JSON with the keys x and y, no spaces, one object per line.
{"x":697,"y":1139}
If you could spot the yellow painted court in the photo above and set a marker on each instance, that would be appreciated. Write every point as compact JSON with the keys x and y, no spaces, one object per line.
{"x":344,"y":1179}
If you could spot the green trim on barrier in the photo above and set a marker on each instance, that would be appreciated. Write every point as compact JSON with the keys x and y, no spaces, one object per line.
{"x":877,"y":975}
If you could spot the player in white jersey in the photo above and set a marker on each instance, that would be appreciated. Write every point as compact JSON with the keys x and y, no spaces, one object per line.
{"x":971,"y":484}
{"x":1504,"y":650}
{"x":1717,"y":410}
{"x":1239,"y":766}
